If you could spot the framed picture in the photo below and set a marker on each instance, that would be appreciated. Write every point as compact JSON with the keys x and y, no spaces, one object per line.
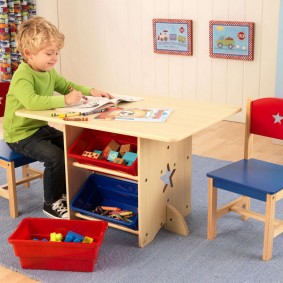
{"x":171,"y":36}
{"x":231,"y":40}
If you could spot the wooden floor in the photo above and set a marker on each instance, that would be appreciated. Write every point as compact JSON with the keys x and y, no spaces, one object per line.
{"x":222,"y":141}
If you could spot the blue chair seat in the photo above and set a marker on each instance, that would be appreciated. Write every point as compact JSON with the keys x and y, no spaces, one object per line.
{"x":10,"y":156}
{"x":253,"y":178}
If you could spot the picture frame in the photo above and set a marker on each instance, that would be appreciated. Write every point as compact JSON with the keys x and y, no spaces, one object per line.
{"x":172,"y":36}
{"x":231,"y":40}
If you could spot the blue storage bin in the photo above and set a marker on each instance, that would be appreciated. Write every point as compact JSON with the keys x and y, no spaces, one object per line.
{"x":102,"y":190}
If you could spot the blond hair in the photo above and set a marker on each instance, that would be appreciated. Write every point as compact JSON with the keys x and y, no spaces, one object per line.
{"x":37,"y":33}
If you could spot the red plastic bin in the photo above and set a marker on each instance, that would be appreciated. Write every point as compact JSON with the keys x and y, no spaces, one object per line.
{"x":90,"y":140}
{"x":37,"y":254}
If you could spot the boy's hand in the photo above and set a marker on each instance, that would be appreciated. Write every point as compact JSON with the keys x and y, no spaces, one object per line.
{"x":94,"y":92}
{"x":73,"y":97}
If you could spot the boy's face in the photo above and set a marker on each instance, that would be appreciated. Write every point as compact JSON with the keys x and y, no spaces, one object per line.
{"x":45,"y":59}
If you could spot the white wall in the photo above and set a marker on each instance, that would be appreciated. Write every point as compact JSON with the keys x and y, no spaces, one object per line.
{"x":109,"y":46}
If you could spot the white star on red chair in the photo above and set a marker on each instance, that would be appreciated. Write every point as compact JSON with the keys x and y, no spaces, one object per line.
{"x":277,"y":118}
{"x":167,"y":177}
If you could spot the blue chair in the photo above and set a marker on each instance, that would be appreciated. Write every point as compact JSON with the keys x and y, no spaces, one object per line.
{"x":252,"y":178}
{"x":9,"y":160}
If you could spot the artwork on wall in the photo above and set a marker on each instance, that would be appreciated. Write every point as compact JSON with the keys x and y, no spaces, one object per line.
{"x":231,"y":40}
{"x":172,"y":36}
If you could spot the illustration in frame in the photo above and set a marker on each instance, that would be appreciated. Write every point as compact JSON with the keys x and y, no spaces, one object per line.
{"x":172,"y":36}
{"x":231,"y":40}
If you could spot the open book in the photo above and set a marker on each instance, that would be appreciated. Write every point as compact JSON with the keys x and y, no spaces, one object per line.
{"x":91,"y":104}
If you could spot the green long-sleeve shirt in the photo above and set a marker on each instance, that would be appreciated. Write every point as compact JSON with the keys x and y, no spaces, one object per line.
{"x":33,"y":90}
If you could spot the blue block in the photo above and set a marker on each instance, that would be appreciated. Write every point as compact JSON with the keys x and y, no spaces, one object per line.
{"x":130,"y":157}
{"x":112,"y":155}
{"x":73,"y":237}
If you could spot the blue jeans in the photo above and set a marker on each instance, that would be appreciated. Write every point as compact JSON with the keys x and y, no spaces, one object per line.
{"x":47,"y":146}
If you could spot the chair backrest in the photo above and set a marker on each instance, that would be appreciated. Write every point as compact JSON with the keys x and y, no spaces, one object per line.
{"x":264,"y":117}
{"x":4,"y":87}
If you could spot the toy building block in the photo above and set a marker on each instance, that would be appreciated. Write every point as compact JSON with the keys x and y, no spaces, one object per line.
{"x":56,"y":237}
{"x":112,"y":155}
{"x":97,"y":151}
{"x":86,"y":153}
{"x":125,"y":148}
{"x":113,"y":145}
{"x":95,"y":155}
{"x":130,"y":157}
{"x":119,"y":161}
{"x":87,"y":240}
{"x":73,"y":237}
{"x":105,"y":153}
{"x":90,"y":154}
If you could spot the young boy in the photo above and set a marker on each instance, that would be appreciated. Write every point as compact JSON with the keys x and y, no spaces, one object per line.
{"x":32,"y":87}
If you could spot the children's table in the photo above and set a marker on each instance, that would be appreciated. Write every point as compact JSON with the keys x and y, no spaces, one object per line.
{"x":164,"y":150}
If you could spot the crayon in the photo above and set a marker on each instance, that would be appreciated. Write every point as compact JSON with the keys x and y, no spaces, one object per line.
{"x":93,"y":112}
{"x":54,"y":114}
{"x":110,"y":208}
{"x":75,"y":119}
{"x":70,"y":114}
{"x":71,"y":89}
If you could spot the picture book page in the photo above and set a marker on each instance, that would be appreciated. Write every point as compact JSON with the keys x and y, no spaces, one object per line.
{"x":89,"y":103}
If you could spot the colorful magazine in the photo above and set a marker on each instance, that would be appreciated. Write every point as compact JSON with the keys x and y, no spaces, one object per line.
{"x":91,"y":104}
{"x":156,"y":115}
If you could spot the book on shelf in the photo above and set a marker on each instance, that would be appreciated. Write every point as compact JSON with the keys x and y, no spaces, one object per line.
{"x":91,"y":104}
{"x":156,"y":115}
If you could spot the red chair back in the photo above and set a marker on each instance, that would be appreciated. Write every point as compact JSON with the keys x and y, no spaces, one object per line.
{"x":4,"y":87}
{"x":267,"y":117}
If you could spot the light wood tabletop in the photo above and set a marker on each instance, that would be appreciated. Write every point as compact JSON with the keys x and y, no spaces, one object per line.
{"x":186,"y":119}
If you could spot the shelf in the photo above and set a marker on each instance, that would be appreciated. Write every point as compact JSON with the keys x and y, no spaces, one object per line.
{"x":106,"y":171}
{"x":120,"y":227}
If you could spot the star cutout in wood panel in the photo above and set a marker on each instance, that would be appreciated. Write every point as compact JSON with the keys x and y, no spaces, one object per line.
{"x":167,"y":177}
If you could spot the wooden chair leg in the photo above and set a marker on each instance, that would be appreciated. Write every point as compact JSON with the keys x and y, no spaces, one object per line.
{"x":247,"y":206}
{"x":269,"y":227}
{"x":25,"y":173}
{"x":212,"y":210}
{"x":13,"y":200}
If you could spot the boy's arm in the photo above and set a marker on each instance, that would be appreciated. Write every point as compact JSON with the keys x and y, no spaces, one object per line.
{"x":31,"y":99}
{"x":63,"y":86}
